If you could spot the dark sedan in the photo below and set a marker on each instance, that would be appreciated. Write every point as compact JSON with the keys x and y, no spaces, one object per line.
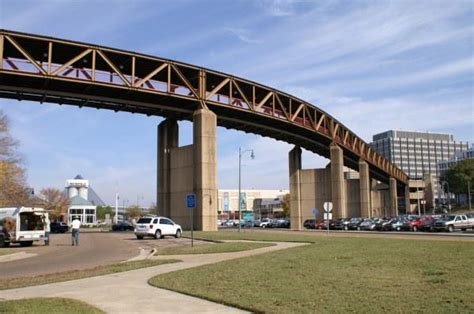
{"x":58,"y":227}
{"x":341,"y":224}
{"x":122,"y":226}
{"x":309,"y":224}
{"x":354,"y":224}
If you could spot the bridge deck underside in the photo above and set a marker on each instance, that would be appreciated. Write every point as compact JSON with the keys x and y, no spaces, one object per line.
{"x":102,"y":97}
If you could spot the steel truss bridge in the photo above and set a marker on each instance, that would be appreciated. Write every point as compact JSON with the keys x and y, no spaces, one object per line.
{"x":52,"y":70}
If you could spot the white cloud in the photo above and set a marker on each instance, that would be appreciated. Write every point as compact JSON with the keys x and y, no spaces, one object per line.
{"x":243,"y":35}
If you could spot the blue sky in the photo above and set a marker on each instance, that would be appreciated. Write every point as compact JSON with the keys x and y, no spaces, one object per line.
{"x":374,"y":65}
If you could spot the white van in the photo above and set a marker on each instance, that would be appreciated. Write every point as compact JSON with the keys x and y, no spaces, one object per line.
{"x":22,"y":225}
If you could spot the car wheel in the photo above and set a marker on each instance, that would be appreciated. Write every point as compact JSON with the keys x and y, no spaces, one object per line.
{"x":450,"y":228}
{"x":415,"y":228}
{"x":139,"y":237}
{"x":178,"y":234}
{"x":398,"y":229}
{"x":157,"y":234}
{"x":346,"y":228}
{"x":3,"y":243}
{"x":358,"y":228}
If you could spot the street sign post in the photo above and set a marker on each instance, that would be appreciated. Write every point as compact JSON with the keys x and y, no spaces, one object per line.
{"x":327,"y":213}
{"x":191,"y":205}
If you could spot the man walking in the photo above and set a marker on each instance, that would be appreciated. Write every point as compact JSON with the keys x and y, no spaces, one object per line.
{"x":76,"y":224}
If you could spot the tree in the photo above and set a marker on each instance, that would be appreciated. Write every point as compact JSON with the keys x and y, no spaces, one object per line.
{"x":55,"y":202}
{"x":102,"y":211}
{"x":13,"y":189}
{"x":285,"y":202}
{"x":154,"y":209}
{"x":134,"y":212}
{"x":459,"y":176}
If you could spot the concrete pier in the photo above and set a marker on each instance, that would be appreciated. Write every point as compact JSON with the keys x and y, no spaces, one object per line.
{"x":189,"y":169}
{"x":393,"y":197}
{"x":364,"y":189}
{"x":338,"y":188}
{"x":294,"y":158}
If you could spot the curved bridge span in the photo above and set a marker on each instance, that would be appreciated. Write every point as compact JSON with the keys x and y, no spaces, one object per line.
{"x":46,"y":69}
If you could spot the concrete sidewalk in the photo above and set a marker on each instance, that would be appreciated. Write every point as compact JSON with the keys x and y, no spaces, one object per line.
{"x":129,"y":292}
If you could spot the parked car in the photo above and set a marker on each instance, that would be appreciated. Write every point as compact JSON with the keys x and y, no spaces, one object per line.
{"x":367,"y":224}
{"x":353,"y":224}
{"x":279,"y":223}
{"x":265,"y":222}
{"x":157,"y":227}
{"x":426,"y":223}
{"x":380,"y":224}
{"x":122,"y":226}
{"x":341,"y":223}
{"x":58,"y":227}
{"x":323,"y":224}
{"x":400,"y":224}
{"x":310,"y":224}
{"x":453,"y":222}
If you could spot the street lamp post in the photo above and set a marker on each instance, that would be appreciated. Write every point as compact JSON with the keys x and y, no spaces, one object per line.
{"x":423,"y":202}
{"x":448,"y":195}
{"x":252,"y":155}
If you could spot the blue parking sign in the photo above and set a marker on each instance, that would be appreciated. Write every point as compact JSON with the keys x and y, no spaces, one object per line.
{"x":191,"y":201}
{"x":315,"y":211}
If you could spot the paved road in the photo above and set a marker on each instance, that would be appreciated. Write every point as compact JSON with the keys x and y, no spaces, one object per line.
{"x":96,"y":248}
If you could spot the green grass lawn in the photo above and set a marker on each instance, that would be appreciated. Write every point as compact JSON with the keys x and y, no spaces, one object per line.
{"x":211,"y":248}
{"x":47,"y":305}
{"x":19,"y":282}
{"x":337,"y":275}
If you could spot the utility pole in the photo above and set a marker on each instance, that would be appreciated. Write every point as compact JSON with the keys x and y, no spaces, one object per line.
{"x":469,"y":193}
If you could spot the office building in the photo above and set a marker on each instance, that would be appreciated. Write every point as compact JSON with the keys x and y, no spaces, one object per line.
{"x":418,"y":153}
{"x":228,"y":200}
{"x":444,"y":165}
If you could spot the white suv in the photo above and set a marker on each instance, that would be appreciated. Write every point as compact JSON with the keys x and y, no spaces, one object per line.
{"x":156,"y":227}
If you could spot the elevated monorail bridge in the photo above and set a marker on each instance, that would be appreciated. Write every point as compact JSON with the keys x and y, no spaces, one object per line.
{"x":52,"y":70}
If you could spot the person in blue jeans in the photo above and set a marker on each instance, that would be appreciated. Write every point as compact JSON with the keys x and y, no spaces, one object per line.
{"x":76,"y":225}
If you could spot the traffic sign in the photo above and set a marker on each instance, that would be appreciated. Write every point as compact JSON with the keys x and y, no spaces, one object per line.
{"x":327,"y":207}
{"x":327,"y":216}
{"x":315,"y":211}
{"x":191,"y":201}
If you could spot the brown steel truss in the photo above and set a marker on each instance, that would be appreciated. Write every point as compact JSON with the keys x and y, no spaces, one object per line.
{"x":55,"y":60}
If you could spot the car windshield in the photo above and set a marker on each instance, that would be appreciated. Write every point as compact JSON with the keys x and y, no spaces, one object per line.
{"x":144,"y":220}
{"x":451,"y":217}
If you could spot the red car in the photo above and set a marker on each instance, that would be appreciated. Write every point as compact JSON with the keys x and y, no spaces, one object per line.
{"x":422,"y":223}
{"x":416,"y":223}
{"x":321,"y":225}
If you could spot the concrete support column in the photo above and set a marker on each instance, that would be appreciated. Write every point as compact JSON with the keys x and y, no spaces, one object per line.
{"x":168,"y":137}
{"x":364,"y":188}
{"x":393,"y":197}
{"x":407,"y":199}
{"x":294,"y":158}
{"x":205,"y":169}
{"x":338,"y":188}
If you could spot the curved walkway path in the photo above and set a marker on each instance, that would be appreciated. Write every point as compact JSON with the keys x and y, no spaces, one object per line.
{"x":129,"y":292}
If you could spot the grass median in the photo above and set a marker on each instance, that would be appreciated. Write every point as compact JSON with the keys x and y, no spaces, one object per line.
{"x":211,"y":248}
{"x":47,"y":305}
{"x":19,"y":282}
{"x":338,"y":275}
